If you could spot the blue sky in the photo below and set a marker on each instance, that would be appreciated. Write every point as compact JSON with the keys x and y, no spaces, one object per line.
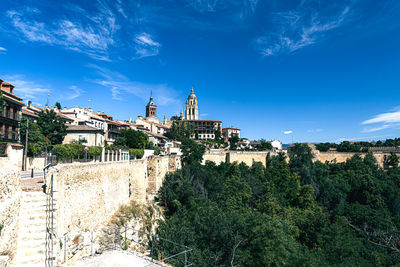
{"x":290,"y":70}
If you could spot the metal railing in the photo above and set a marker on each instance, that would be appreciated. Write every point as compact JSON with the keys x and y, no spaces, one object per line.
{"x":131,"y":241}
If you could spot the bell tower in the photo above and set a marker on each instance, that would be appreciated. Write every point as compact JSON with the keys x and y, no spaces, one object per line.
{"x":191,"y":107}
{"x":151,"y":108}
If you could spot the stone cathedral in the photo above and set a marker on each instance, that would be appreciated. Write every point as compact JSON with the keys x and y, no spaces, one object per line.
{"x":191,"y":107}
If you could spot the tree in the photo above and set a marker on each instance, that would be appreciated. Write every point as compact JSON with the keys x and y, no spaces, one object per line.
{"x":52,"y":126}
{"x":233,"y":142}
{"x":58,"y":105}
{"x":218,"y":133}
{"x":265,"y":145}
{"x":3,"y":103}
{"x":180,"y":130}
{"x":36,"y":140}
{"x":192,"y":152}
{"x":132,"y":139}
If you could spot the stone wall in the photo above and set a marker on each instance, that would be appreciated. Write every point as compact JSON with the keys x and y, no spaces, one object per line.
{"x":157,"y":168}
{"x":216,"y":156}
{"x":10,"y":195}
{"x":88,"y":194}
{"x":248,"y":157}
{"x":36,"y":163}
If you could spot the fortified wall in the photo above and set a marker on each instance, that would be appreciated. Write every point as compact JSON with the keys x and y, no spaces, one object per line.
{"x":248,"y":157}
{"x":88,"y":194}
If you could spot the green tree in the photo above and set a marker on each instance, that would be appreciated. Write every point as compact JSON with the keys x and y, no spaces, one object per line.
{"x":36,"y":140}
{"x":233,"y":142}
{"x":191,"y":151}
{"x":180,"y":130}
{"x":265,"y":145}
{"x":132,"y":139}
{"x":58,"y":105}
{"x":52,"y":126}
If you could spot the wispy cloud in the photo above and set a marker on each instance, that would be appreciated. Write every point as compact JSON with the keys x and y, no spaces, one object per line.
{"x":91,"y":35}
{"x":120,"y":85}
{"x":365,"y":138}
{"x":75,"y":92}
{"x":27,"y":89}
{"x":287,"y":132}
{"x":299,"y":28}
{"x":315,"y":130}
{"x":145,"y":46}
{"x":384,"y":121}
{"x":3,"y":50}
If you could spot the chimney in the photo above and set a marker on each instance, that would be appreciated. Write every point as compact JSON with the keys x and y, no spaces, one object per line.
{"x":29,"y":103}
{"x":90,"y":109}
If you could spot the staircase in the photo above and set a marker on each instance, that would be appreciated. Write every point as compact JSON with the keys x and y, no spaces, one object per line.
{"x":31,"y":246}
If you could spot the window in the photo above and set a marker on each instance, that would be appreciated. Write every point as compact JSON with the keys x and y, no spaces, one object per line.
{"x":6,"y":132}
{"x":13,"y":133}
{"x":15,"y":113}
{"x":8,"y":112}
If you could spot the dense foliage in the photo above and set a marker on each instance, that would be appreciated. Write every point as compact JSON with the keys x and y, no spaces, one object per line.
{"x":73,"y":151}
{"x":36,"y":140}
{"x":138,"y":153}
{"x":347,"y":146}
{"x":297,"y":214}
{"x":132,"y":139}
{"x":52,"y":127}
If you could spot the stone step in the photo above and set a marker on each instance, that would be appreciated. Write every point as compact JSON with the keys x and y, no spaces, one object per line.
{"x":33,"y":216}
{"x":32,"y":244}
{"x":31,"y":259}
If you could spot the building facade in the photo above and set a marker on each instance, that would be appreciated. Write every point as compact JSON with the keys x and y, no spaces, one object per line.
{"x":228,"y":132}
{"x":10,"y":113}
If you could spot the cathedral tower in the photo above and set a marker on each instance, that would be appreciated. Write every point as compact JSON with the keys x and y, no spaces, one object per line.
{"x":191,"y":107}
{"x":151,"y":108}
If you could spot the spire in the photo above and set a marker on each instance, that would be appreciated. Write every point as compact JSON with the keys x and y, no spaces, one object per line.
{"x":192,"y":91}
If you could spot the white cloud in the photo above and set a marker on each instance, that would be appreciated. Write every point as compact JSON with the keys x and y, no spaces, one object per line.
{"x":76,"y":92}
{"x":2,"y":49}
{"x":145,"y":46}
{"x":287,"y":132}
{"x":384,"y":121}
{"x":27,"y":89}
{"x":297,"y":29}
{"x":315,"y":130}
{"x":389,"y":117}
{"x":120,"y":85}
{"x":91,"y":35}
{"x":366,"y":138}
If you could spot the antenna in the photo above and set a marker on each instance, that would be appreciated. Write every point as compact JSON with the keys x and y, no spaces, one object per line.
{"x":47,"y":101}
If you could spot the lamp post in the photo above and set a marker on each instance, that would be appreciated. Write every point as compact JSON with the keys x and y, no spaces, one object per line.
{"x":86,"y":150}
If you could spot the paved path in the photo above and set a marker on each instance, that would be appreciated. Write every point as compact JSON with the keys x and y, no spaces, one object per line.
{"x":28,"y":174}
{"x":117,"y":258}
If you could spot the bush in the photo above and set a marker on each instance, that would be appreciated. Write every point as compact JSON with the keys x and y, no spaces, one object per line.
{"x":73,"y":151}
{"x":138,"y":153}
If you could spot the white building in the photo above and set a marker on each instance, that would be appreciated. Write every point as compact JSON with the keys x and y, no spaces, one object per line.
{"x":276,"y":144}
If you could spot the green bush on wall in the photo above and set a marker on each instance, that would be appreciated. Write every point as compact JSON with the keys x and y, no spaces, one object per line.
{"x":136,"y":152}
{"x":68,"y":151}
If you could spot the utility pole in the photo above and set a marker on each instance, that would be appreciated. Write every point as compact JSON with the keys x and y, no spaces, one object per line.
{"x":26,"y":144}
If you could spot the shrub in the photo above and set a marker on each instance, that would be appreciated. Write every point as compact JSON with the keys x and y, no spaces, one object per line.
{"x":138,"y":153}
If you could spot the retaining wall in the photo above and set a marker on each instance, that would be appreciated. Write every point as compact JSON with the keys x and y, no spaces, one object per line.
{"x":10,"y":196}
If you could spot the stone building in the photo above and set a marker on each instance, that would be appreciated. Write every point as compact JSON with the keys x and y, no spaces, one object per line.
{"x":10,"y":116}
{"x":32,"y":112}
{"x":228,"y":132}
{"x":204,"y":129}
{"x":86,"y":134}
{"x":191,"y":107}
